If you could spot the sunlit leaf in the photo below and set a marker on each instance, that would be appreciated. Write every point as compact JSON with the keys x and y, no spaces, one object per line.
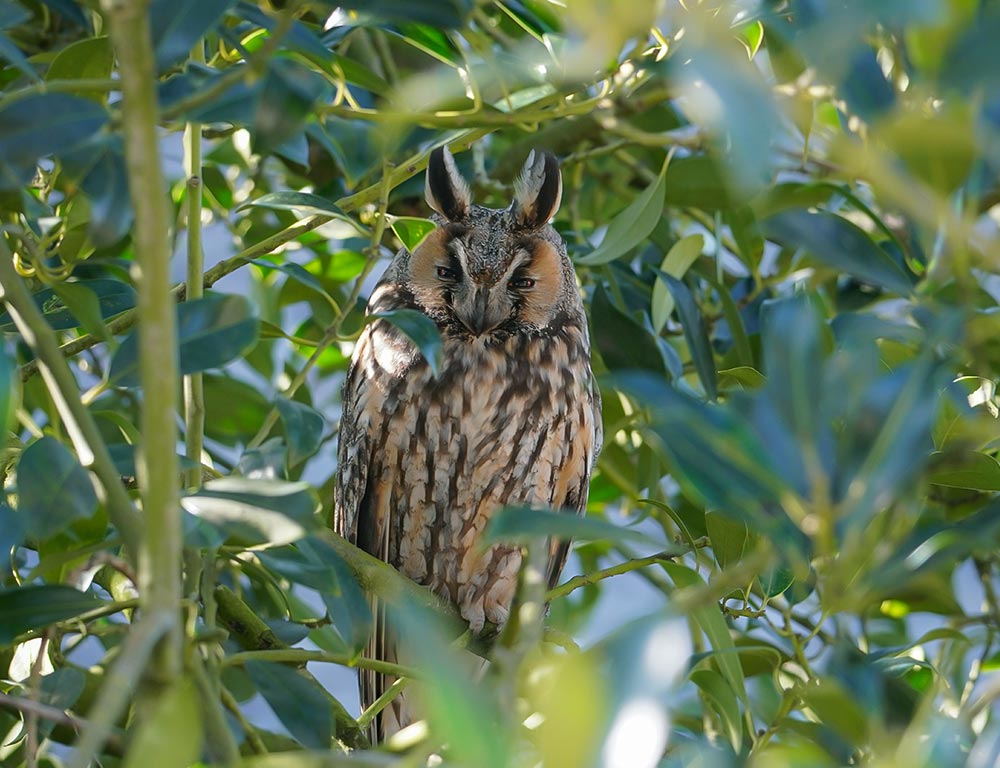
{"x":677,"y":261}
{"x":90,"y":58}
{"x":255,"y":512}
{"x":411,"y":231}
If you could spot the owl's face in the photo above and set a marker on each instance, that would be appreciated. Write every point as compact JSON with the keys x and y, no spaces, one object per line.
{"x":486,"y":271}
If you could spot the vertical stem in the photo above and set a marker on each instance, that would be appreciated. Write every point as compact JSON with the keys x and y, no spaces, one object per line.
{"x":158,"y":469}
{"x":194,"y":392}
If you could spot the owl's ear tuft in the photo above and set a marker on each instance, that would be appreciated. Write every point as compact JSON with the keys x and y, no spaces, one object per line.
{"x":537,"y":190}
{"x":445,"y":189}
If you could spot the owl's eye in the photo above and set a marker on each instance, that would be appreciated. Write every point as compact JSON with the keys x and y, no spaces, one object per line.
{"x":446,"y":273}
{"x":521,"y":283}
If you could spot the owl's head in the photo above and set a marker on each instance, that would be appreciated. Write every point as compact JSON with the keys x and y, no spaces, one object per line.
{"x":488,"y":271}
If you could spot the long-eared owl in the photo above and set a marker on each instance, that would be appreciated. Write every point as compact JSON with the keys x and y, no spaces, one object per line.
{"x":512,"y":419}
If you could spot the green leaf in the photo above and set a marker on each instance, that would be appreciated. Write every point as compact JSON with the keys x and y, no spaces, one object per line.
{"x":113,"y":297}
{"x":460,"y":711}
{"x":676,"y":263}
{"x":350,"y":610}
{"x":304,"y":203}
{"x":85,"y":305}
{"x":841,"y":245}
{"x":968,"y":469}
{"x":748,"y":377}
{"x":730,"y":538}
{"x":24,"y":609}
{"x":623,"y":343}
{"x":632,"y":225}
{"x":9,"y":391}
{"x":446,"y":14}
{"x":11,"y":53}
{"x":255,"y":513}
{"x":746,"y":232}
{"x":304,"y":427}
{"x":90,"y":58}
{"x":53,"y":489}
{"x":524,"y":524}
{"x":170,"y":736}
{"x":296,"y":272}
{"x":288,"y":93}
{"x":45,"y":123}
{"x":419,"y":329}
{"x":723,"y":700}
{"x":211,"y":331}
{"x":695,"y":333}
{"x":410,"y":230}
{"x":776,"y":581}
{"x":237,"y":409}
{"x":708,"y":618}
{"x":178,"y":24}
{"x":300,"y":704}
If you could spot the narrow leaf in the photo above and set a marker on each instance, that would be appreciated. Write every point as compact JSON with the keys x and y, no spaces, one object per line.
{"x":632,"y":225}
{"x":695,"y":333}
{"x":676,"y":263}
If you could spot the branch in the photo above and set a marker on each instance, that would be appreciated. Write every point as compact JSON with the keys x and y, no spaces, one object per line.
{"x":299,"y":657}
{"x":64,"y":389}
{"x":252,"y":633}
{"x":158,"y":467}
{"x":588,"y":579}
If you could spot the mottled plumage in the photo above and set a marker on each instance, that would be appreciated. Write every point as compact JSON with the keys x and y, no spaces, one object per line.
{"x":512,"y":419}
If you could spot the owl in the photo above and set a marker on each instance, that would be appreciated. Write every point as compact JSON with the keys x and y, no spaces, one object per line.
{"x":511,"y":419}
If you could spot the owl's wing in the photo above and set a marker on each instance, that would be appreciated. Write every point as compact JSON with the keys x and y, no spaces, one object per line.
{"x":379,"y":365}
{"x":588,"y":439}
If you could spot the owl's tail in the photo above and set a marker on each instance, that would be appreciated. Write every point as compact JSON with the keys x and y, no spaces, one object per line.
{"x":396,"y":714}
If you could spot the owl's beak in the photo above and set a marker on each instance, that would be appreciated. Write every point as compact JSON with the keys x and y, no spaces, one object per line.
{"x":482,"y":315}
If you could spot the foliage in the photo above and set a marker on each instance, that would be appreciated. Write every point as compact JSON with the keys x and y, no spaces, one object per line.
{"x":784,"y":215}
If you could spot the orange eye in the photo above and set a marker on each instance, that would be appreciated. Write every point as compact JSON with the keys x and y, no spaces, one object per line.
{"x":521,"y":283}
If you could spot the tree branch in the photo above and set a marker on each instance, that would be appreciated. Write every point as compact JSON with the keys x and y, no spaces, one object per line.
{"x":158,"y":467}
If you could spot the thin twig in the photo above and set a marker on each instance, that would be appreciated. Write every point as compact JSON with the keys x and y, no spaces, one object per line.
{"x":301,"y":655}
{"x":57,"y":716}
